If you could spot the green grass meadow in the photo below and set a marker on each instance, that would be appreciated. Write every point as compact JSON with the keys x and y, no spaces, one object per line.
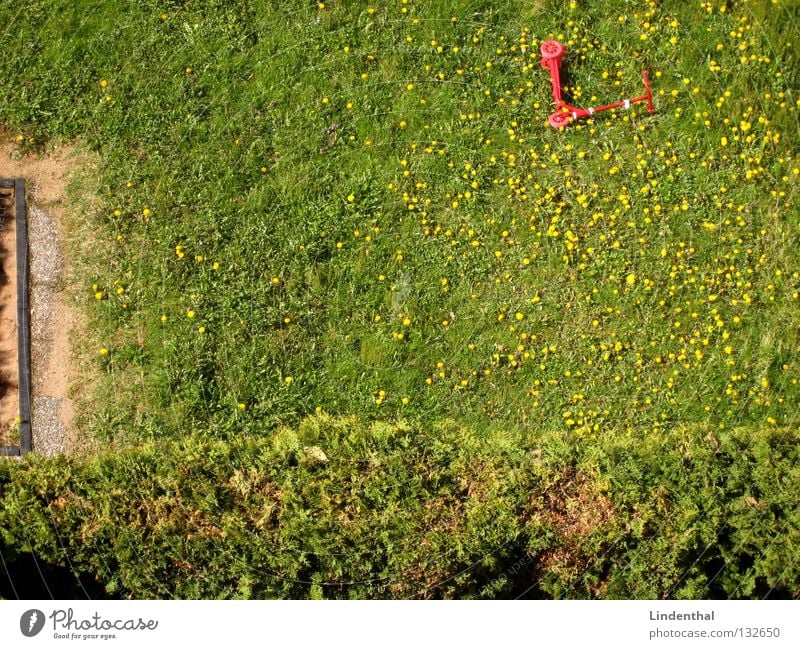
{"x":356,"y":212}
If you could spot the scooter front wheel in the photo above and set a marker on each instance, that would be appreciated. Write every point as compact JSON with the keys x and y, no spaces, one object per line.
{"x":552,"y":50}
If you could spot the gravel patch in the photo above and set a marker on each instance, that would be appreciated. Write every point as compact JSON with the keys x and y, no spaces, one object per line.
{"x":49,"y":434}
{"x":46,"y":268}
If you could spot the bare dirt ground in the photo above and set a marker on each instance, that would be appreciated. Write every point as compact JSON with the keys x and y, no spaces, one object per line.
{"x":52,"y":317}
{"x":8,"y":328}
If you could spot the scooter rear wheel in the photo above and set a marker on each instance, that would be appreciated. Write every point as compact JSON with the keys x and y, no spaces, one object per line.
{"x":559,"y":119}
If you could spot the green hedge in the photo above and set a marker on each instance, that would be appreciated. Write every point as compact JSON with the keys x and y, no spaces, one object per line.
{"x":336,"y":508}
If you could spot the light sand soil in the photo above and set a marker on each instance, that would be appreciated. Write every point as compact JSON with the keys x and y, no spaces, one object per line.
{"x":52,"y":317}
{"x":9,"y":367}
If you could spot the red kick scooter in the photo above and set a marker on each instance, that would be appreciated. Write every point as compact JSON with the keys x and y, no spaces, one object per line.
{"x":552,"y":53}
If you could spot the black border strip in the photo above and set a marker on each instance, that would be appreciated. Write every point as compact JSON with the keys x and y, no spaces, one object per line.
{"x":23,"y":321}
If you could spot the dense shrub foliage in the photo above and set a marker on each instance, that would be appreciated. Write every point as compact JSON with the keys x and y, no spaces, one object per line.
{"x":361,"y":207}
{"x":336,"y":508}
